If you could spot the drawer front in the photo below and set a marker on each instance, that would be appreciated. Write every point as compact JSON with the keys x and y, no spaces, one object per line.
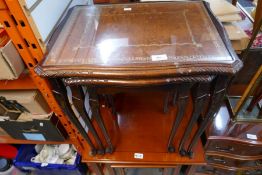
{"x":234,"y":163}
{"x":234,"y":147}
{"x":213,"y":170}
{"x":219,"y":171}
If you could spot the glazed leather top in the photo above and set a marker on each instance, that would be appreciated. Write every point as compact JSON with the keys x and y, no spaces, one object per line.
{"x":140,"y":40}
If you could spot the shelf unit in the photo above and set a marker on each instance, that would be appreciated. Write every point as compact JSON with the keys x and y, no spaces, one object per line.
{"x":9,"y":140}
{"x":21,"y":34}
{"x":24,"y":82}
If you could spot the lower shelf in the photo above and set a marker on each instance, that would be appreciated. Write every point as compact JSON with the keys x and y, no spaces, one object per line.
{"x":24,"y":82}
{"x":142,"y":127}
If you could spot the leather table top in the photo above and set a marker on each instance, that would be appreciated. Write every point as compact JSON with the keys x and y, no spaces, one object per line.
{"x":139,"y":40}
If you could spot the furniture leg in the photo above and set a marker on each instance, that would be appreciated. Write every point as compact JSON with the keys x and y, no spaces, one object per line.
{"x":79,"y":119}
{"x":256,"y":98}
{"x":82,"y":106}
{"x":176,"y":170}
{"x":217,"y":97}
{"x":112,"y":104}
{"x":190,"y":170}
{"x":166,"y":100}
{"x":200,"y":94}
{"x":62,"y":96}
{"x":183,"y":96}
{"x":122,"y":171}
{"x":96,"y":168}
{"x":94,"y":104}
{"x":111,"y":171}
{"x":165,"y":171}
{"x":175,"y":97}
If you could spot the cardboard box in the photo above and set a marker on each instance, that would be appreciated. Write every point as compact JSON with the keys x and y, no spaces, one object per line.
{"x":3,"y":37}
{"x":11,"y":64}
{"x":45,"y":129}
{"x":32,"y":100}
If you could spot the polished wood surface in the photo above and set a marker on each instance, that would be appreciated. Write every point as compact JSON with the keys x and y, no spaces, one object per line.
{"x":238,"y":148}
{"x":139,"y":40}
{"x":220,"y":170}
{"x":143,"y":128}
{"x":234,"y":163}
{"x":234,"y":146}
{"x":223,"y":127}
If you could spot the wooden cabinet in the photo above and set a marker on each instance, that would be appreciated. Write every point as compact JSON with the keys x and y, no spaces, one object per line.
{"x":216,"y":170}
{"x":236,"y":147}
{"x":232,"y":163}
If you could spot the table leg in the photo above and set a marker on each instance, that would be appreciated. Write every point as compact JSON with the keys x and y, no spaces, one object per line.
{"x":218,"y":93}
{"x":111,"y":171}
{"x":96,"y":168}
{"x":200,"y":94}
{"x":82,"y":107}
{"x":183,"y":96}
{"x":176,"y":170}
{"x":79,"y":119}
{"x":110,"y":100}
{"x":94,"y":104}
{"x":62,"y":97}
{"x":165,"y":171}
{"x":166,"y":100}
{"x":190,"y":170}
{"x":174,"y":98}
{"x":122,"y":171}
{"x":257,"y":96}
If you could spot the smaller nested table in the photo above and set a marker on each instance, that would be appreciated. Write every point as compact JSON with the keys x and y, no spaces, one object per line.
{"x":177,"y":47}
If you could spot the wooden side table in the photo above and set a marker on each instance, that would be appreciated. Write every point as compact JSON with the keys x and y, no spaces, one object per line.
{"x":167,"y":46}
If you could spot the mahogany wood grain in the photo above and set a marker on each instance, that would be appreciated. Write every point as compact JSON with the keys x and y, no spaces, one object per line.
{"x":221,"y":170}
{"x":140,"y":40}
{"x":141,"y":130}
{"x":229,"y":147}
{"x":142,"y":45}
{"x":236,"y":164}
{"x":223,"y":128}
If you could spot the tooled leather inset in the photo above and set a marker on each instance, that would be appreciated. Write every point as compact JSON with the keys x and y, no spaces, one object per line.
{"x":94,"y":42}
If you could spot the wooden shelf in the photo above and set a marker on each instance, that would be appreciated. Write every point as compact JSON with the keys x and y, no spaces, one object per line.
{"x":5,"y":139}
{"x":144,"y":128}
{"x":22,"y":83}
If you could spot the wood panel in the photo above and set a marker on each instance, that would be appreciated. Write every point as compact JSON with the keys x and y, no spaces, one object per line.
{"x":144,"y":128}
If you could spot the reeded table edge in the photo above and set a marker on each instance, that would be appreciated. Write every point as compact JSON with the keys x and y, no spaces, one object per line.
{"x":137,"y":82}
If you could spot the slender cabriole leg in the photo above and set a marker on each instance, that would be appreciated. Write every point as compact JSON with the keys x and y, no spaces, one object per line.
{"x":94,"y":104}
{"x":82,"y":108}
{"x":200,"y":94}
{"x":63,"y":96}
{"x":218,"y":93}
{"x":112,"y":104}
{"x":166,"y":100}
{"x":111,"y":171}
{"x":95,"y":168}
{"x":183,"y":97}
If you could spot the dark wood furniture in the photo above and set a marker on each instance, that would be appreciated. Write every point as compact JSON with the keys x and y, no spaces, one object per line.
{"x":178,"y":48}
{"x":231,"y":148}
